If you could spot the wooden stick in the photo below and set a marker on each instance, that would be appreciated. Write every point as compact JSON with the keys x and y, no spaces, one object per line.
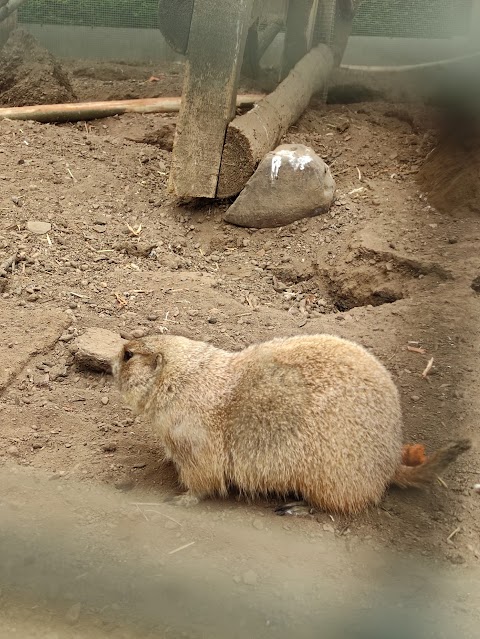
{"x":251,"y":136}
{"x":79,"y":111}
{"x":428,"y":368}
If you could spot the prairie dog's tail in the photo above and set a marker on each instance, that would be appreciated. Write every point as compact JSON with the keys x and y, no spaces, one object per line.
{"x":425,"y":473}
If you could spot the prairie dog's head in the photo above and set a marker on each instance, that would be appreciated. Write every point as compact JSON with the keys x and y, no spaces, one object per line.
{"x":136,"y":371}
{"x":158,"y":365}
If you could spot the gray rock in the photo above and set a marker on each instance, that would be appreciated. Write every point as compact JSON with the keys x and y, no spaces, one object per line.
{"x":290,"y":183}
{"x":98,"y":348}
{"x":39,"y":228}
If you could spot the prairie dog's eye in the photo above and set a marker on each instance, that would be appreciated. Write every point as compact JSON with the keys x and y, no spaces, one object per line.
{"x":127,"y":355}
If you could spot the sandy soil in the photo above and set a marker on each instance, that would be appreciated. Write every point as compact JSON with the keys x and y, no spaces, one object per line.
{"x":383,"y":267}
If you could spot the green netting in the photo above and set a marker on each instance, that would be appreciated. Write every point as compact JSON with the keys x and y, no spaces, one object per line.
{"x":388,"y":18}
{"x":140,"y":14}
{"x":413,"y":18}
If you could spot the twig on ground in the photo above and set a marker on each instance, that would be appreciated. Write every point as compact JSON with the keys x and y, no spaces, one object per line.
{"x":428,"y":368}
{"x":416,"y":349}
{"x":172,"y":552}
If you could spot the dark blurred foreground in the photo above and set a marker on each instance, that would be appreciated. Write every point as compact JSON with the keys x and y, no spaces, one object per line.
{"x":77,"y":561}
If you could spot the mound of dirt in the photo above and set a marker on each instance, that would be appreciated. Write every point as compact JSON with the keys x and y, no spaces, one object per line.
{"x":451,"y":173}
{"x":451,"y":179}
{"x":30,"y":74}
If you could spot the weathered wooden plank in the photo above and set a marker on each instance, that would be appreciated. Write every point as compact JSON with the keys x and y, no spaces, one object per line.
{"x":300,"y":25}
{"x":216,"y":45}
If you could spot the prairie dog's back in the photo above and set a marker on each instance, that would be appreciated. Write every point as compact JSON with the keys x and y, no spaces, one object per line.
{"x":318,"y":403}
{"x":324,"y":365}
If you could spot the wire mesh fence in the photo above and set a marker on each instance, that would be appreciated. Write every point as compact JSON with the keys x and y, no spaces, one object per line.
{"x":395,"y":18}
{"x":413,"y":19}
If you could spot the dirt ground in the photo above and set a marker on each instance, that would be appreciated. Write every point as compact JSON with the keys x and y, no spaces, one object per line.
{"x":383,"y":267}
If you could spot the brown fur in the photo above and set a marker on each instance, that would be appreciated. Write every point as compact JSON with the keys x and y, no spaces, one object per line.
{"x":316,"y":416}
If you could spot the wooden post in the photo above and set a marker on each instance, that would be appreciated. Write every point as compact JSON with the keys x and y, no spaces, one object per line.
{"x":300,"y":25}
{"x":216,"y":45}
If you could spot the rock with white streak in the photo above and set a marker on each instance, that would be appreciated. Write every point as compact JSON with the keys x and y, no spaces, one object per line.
{"x":292,"y":182}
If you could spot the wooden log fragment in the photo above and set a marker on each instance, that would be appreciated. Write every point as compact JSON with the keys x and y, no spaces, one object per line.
{"x":251,"y":136}
{"x":208,"y":101}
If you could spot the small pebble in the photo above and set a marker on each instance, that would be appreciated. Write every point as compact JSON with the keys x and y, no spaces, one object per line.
{"x":111,"y":447}
{"x":138,"y":333}
{"x":104,"y":400}
{"x":13,"y":451}
{"x":66,"y":337}
{"x":476,"y":488}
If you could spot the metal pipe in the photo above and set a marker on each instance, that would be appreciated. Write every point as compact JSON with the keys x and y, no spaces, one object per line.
{"x":409,"y":67}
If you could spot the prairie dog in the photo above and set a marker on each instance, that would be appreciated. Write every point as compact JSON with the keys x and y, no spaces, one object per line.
{"x":316,"y":416}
